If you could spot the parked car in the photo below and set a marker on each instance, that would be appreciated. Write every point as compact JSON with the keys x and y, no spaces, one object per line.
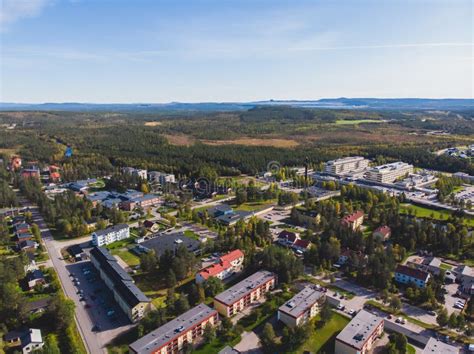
{"x":401,"y":320}
{"x":341,"y":307}
{"x":432,"y":313}
{"x":352,"y":312}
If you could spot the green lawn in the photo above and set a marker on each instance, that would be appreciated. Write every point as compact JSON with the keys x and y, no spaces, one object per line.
{"x":411,"y":349}
{"x":191,"y":234}
{"x":356,"y":121}
{"x":255,"y":206}
{"x":423,"y":212}
{"x":322,"y":339}
{"x":445,"y":266}
{"x":127,"y":256}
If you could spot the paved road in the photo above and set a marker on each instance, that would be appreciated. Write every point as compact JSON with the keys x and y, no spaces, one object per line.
{"x":94,"y":342}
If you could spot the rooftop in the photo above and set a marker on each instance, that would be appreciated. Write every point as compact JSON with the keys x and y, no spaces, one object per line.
{"x":390,"y":167}
{"x":359,"y":329}
{"x":166,"y":333}
{"x":354,"y":216}
{"x":244,"y":287}
{"x":111,"y":229}
{"x":412,"y":272}
{"x":435,"y":346}
{"x":302,"y":301}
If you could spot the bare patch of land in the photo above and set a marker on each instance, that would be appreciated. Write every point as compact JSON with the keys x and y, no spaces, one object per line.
{"x":152,"y":124}
{"x":179,"y":139}
{"x":282,"y":143}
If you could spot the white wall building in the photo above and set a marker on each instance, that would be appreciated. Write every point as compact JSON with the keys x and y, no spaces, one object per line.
{"x":346,"y":165}
{"x":161,"y":177}
{"x":110,"y":234}
{"x":388,"y":173}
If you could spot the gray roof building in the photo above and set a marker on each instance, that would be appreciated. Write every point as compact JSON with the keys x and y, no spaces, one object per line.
{"x":302,"y":301}
{"x":435,"y":346}
{"x":360,"y":329}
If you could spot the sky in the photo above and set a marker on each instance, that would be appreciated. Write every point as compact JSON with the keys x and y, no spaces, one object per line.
{"x":130,"y":51}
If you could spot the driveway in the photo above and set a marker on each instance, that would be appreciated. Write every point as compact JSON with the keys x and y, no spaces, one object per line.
{"x":249,"y":344}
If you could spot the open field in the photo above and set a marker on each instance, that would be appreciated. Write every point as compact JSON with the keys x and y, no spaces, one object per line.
{"x":152,"y":124}
{"x":282,"y":143}
{"x":179,"y":139}
{"x":357,"y":121}
{"x":127,"y":256}
{"x":422,"y":212}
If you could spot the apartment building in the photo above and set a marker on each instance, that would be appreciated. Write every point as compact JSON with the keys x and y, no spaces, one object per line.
{"x":390,"y":172}
{"x":145,"y":202}
{"x":302,"y":307}
{"x":161,"y":177}
{"x":174,"y":335}
{"x":353,"y":221}
{"x":226,"y":266}
{"x":346,"y":165}
{"x":408,"y":275}
{"x":359,"y":336}
{"x":248,"y":291}
{"x":143,"y":174}
{"x":435,"y":346}
{"x":111,"y":234}
{"x":127,"y":295}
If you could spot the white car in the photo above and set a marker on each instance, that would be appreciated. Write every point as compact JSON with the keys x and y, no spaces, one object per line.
{"x":340,"y":307}
{"x":401,"y":320}
{"x":352,"y":312}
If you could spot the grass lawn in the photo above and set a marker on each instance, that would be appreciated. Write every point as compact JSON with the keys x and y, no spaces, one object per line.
{"x":191,"y":234}
{"x":411,"y":349}
{"x":254,"y":206}
{"x":423,"y":212}
{"x":356,"y":121}
{"x":322,"y":339}
{"x":127,"y":256}
{"x":215,"y":346}
{"x":445,"y":266}
{"x":159,"y":301}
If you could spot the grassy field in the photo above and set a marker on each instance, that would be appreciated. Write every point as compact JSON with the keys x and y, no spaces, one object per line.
{"x":422,"y":212}
{"x":255,"y":206}
{"x":322,"y":339}
{"x":357,"y":121}
{"x":127,"y":256}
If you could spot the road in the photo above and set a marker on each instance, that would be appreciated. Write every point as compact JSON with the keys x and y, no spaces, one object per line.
{"x":95,"y":342}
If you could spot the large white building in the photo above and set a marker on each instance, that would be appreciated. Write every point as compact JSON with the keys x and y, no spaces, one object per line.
{"x":346,"y":165}
{"x":111,"y":234}
{"x":390,"y":172}
{"x":161,"y":177}
{"x":359,"y":336}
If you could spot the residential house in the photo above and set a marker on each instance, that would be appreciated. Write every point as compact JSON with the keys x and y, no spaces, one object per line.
{"x":243,"y":294}
{"x":111,"y":234}
{"x":302,"y":307}
{"x":27,"y":340}
{"x":151,"y":226}
{"x":360,"y":334}
{"x":36,"y":277}
{"x":27,"y":246}
{"x":409,"y":275}
{"x":288,"y":238}
{"x":354,"y":220}
{"x":37,"y":306}
{"x":226,"y":266}
{"x":465,"y":275}
{"x":301,"y":246}
{"x":383,"y":233}
{"x":187,"y":328}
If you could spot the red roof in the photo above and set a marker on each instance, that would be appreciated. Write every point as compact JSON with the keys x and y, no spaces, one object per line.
{"x":232,"y":256}
{"x":288,"y":235}
{"x":384,"y":230}
{"x":302,"y":243}
{"x":412,"y":272}
{"x":353,"y":217}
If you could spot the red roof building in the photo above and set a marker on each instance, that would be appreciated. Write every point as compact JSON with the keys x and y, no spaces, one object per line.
{"x":354,"y":220}
{"x":227,"y":265}
{"x":383,"y":232}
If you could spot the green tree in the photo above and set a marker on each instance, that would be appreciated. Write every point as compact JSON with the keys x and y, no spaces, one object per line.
{"x":267,"y":338}
{"x":442,"y":317}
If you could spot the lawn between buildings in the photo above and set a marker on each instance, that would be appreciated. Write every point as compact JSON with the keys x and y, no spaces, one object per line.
{"x":423,"y":212}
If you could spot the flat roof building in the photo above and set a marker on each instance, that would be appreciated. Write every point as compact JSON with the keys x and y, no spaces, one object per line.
{"x":390,"y":172}
{"x":346,"y":165}
{"x":172,"y":336}
{"x":302,"y":307}
{"x":111,"y":234}
{"x":130,"y":299}
{"x":435,"y":346}
{"x":360,"y":334}
{"x":241,"y":295}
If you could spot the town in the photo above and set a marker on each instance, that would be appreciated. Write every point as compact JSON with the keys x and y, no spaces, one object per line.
{"x":348,"y":256}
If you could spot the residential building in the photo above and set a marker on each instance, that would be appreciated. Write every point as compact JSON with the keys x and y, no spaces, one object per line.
{"x":465,"y":276}
{"x":302,"y":307}
{"x":383,"y":233}
{"x":435,"y":346}
{"x":151,"y":226}
{"x":354,"y":220}
{"x":226,"y":266}
{"x":135,"y":172}
{"x":145,"y":202}
{"x":390,"y":172}
{"x":174,"y":335}
{"x":161,"y":177}
{"x":35,"y":277}
{"x":301,"y":246}
{"x":346,"y":165}
{"x":287,"y":238}
{"x":360,"y":334}
{"x":464,"y":176}
{"x":428,"y":264}
{"x":111,"y":234}
{"x":127,"y":295}
{"x":27,"y":246}
{"x":408,"y":275}
{"x":248,"y":291}
{"x":28,"y":340}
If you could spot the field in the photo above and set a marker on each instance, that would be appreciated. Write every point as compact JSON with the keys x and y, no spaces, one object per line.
{"x":254,"y":206}
{"x":422,"y":212}
{"x":282,"y":143}
{"x":357,"y":121}
{"x":127,"y":256}
{"x":322,"y":339}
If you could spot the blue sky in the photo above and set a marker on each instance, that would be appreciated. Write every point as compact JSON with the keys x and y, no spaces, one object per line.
{"x":222,"y":50}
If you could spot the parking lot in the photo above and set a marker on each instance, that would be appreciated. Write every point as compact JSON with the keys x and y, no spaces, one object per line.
{"x":96,"y":298}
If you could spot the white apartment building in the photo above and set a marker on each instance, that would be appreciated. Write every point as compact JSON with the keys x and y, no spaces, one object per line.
{"x":110,"y":234}
{"x":143,"y":174}
{"x":388,"y":173}
{"x":161,"y":177}
{"x":346,"y":165}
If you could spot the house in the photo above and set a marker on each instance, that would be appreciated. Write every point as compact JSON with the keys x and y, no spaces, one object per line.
{"x":344,"y":257}
{"x":243,"y":294}
{"x":301,"y":246}
{"x":288,"y":238}
{"x":465,"y":275}
{"x":36,"y":277}
{"x":28,"y":340}
{"x":151,"y":226}
{"x":37,"y":306}
{"x":353,"y":221}
{"x":435,"y":346}
{"x":226,"y":266}
{"x":360,"y":334}
{"x":301,"y":307}
{"x":408,"y":275}
{"x":383,"y":233}
{"x":76,"y":252}
{"x":174,"y":335}
{"x":130,"y":299}
{"x":23,"y":236}
{"x":21,"y":228}
{"x":111,"y":234}
{"x":27,"y":246}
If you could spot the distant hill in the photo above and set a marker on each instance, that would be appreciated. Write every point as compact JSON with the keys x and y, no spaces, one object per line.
{"x":331,"y":103}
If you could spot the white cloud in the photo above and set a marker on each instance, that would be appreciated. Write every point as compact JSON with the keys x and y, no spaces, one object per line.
{"x":12,"y":11}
